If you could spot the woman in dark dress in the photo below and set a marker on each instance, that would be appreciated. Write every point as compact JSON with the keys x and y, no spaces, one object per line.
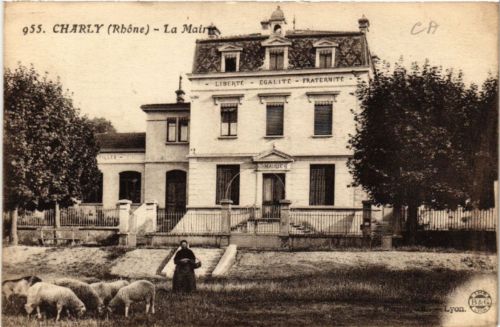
{"x":185,"y":264}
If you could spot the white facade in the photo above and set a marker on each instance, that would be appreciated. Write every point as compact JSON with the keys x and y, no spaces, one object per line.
{"x":251,"y":92}
{"x":229,"y":79}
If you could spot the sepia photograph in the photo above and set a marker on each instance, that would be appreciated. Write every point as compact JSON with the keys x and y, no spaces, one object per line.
{"x":250,"y":164}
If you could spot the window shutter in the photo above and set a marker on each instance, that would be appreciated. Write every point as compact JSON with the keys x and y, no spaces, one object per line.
{"x":275,"y":114}
{"x":279,"y":61}
{"x":323,"y":118}
{"x":325,"y":58}
{"x":322,"y":185}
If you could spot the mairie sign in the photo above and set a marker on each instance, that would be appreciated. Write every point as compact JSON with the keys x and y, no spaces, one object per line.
{"x":263,"y":166}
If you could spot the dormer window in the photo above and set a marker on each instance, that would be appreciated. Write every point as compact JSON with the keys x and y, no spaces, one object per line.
{"x":276,"y":59}
{"x":325,"y":53}
{"x":230,"y":62}
{"x":325,"y":58}
{"x":230,"y":58}
{"x":276,"y":52}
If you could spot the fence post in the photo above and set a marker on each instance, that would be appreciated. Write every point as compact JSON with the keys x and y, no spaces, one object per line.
{"x":14,"y":215}
{"x":150,"y":224}
{"x":367,"y":219}
{"x":226,"y":220}
{"x":57,"y":212}
{"x":285,"y":217}
{"x":495,"y":192}
{"x":125,"y":236}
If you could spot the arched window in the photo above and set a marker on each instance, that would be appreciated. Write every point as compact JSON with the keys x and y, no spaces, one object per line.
{"x":130,"y":186}
{"x":94,"y":195}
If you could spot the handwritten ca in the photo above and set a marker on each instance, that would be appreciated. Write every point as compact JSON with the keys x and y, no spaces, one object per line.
{"x":429,"y":28}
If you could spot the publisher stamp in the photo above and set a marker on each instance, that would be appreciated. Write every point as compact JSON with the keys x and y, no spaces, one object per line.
{"x":480,"y":301}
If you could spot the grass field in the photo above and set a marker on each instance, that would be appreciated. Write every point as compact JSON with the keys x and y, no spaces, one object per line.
{"x":365,"y":296}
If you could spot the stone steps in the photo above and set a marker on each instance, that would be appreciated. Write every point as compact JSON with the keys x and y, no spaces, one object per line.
{"x":209,"y":258}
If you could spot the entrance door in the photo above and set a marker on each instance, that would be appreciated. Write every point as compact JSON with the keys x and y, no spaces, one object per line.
{"x":175,"y":198}
{"x":273,"y":190}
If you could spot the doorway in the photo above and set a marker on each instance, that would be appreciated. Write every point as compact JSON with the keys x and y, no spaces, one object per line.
{"x":175,"y":198}
{"x":273,"y":190}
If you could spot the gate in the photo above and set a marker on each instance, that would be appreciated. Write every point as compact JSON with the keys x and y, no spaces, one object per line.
{"x":256,"y":220}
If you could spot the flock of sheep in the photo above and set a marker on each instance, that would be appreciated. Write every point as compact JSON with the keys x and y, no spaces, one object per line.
{"x":78,"y":297}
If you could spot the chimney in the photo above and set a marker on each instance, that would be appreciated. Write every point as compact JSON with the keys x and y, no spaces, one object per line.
{"x":180,"y":93}
{"x":364,"y":24}
{"x":213,"y":31}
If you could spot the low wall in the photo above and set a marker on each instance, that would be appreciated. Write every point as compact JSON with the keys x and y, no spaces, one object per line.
{"x":87,"y":235}
{"x":326,"y":243}
{"x":162,"y":239}
{"x":254,"y":241}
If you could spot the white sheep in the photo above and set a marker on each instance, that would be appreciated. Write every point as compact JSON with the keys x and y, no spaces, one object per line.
{"x":108,"y":290}
{"x":138,"y":291}
{"x":85,"y":292}
{"x":18,"y":286}
{"x":61,"y":297}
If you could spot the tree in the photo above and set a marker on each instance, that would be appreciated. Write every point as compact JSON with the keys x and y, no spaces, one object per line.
{"x":49,"y":151}
{"x":102,"y":125}
{"x":484,"y":149}
{"x":412,"y":143}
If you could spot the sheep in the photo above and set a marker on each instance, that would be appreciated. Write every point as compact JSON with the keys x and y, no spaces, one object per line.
{"x":108,"y":290}
{"x":19,"y":286}
{"x":61,"y":297}
{"x":85,"y":292}
{"x":90,"y":280}
{"x":141,"y":290}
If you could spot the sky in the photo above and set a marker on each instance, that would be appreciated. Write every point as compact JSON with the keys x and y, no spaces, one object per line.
{"x":111,"y":76}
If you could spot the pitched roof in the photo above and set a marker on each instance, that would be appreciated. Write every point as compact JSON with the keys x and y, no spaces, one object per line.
{"x":352,"y":50}
{"x":122,"y":142}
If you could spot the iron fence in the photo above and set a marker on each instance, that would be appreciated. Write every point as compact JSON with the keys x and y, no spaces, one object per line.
{"x":325,"y":222}
{"x":36,"y":218}
{"x":459,"y":219}
{"x":193,"y":222}
{"x":77,"y":217}
{"x":85,"y":217}
{"x":166,"y":220}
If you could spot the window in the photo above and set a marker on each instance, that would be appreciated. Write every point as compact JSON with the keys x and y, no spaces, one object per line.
{"x":230,"y":57}
{"x":177,"y":129}
{"x":325,"y":53}
{"x":171,"y":129}
{"x":228,"y":183}
{"x":323,"y":118}
{"x":94,"y":195}
{"x":130,"y":186}
{"x":322,"y":185}
{"x":183,"y":129}
{"x":276,"y":59}
{"x":325,"y":59}
{"x":230,"y":63}
{"x":229,"y":120}
{"x":274,"y":119}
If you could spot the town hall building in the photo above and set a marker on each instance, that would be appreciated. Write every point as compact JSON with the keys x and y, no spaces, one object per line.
{"x":268,"y":117}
